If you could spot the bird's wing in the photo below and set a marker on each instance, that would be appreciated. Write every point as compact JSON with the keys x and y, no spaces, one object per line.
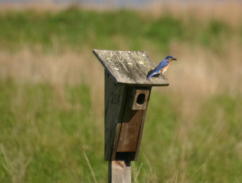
{"x":152,"y":73}
{"x":157,"y":69}
{"x":161,"y":65}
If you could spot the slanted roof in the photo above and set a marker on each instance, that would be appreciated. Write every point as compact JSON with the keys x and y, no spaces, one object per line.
{"x":129,"y":67}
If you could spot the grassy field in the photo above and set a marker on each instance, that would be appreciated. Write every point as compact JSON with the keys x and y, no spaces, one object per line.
{"x":52,"y":107}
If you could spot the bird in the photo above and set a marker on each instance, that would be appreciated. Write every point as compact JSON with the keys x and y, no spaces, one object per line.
{"x":161,"y":68}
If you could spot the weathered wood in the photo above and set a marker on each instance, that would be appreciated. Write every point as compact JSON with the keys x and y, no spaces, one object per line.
{"x":141,"y":98}
{"x":129,"y":67}
{"x":114,"y":101}
{"x":132,"y":122}
{"x":123,"y":124}
{"x":129,"y":133}
{"x":119,"y":172}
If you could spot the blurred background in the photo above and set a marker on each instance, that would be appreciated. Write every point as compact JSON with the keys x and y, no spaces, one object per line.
{"x":51,"y":89}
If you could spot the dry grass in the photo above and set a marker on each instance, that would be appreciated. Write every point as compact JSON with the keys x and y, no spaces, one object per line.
{"x":228,"y":11}
{"x":197,"y":75}
{"x":68,"y":68}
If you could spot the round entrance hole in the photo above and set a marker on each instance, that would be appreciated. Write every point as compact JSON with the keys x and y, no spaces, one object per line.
{"x":140,"y":99}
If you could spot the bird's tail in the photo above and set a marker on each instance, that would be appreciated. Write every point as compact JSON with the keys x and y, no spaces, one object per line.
{"x":149,"y":75}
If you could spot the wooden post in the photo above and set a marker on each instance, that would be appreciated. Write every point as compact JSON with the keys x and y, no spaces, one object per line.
{"x":127,"y":93}
{"x":119,"y":172}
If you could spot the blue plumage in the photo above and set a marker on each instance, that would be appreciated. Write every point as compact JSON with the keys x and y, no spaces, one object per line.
{"x":160,"y":67}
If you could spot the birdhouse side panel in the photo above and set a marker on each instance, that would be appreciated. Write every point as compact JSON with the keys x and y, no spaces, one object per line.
{"x":114,"y":99}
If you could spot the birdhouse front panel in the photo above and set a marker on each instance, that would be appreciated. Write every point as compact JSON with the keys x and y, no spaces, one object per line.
{"x":131,"y":123}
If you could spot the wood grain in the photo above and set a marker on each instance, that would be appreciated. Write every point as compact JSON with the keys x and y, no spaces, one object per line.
{"x":129,"y":67}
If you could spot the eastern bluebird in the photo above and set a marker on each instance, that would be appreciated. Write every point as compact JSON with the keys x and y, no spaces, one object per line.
{"x":161,"y":68}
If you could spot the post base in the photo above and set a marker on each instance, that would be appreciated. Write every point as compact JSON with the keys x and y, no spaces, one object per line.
{"x":119,"y":172}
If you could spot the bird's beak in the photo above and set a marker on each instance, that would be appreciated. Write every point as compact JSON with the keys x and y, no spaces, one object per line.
{"x":174,"y":59}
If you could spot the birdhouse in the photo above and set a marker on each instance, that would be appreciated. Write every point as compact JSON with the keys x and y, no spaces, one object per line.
{"x":127,"y":93}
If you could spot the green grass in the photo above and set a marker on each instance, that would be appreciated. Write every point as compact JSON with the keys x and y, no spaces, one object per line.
{"x":216,"y":139}
{"x":81,"y":28}
{"x":46,"y":134}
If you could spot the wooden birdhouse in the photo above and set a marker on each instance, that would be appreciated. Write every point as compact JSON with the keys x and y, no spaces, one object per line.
{"x":127,"y":93}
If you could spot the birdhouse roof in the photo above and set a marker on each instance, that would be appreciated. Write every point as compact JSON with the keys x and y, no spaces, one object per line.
{"x":129,"y":67}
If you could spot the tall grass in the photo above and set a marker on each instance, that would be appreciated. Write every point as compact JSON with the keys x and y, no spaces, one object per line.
{"x":51,"y":93}
{"x":45,"y":135}
{"x":49,"y":138}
